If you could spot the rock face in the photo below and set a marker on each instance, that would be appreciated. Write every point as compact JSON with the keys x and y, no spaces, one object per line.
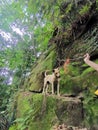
{"x":42,"y":112}
{"x":45,"y":111}
{"x":65,"y":127}
{"x":70,"y":111}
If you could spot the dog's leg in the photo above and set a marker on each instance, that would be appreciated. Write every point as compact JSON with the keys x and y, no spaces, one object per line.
{"x":47,"y":89}
{"x":44,"y":87}
{"x":58,"y":87}
{"x":52,"y":88}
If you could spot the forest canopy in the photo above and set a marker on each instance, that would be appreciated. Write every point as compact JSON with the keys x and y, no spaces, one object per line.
{"x":25,"y":29}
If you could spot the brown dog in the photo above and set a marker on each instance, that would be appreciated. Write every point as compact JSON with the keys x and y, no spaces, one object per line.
{"x":50,"y":79}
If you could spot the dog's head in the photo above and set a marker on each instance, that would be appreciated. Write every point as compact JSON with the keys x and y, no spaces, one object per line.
{"x":56,"y":72}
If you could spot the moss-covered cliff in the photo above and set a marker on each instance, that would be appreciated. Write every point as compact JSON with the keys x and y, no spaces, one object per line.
{"x":76,"y":105}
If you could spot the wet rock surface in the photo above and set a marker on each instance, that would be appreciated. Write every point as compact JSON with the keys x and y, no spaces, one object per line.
{"x":65,"y":127}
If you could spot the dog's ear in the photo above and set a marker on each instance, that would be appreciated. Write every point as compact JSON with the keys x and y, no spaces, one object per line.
{"x":58,"y":68}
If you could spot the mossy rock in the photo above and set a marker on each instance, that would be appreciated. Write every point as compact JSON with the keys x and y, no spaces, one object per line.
{"x":42,"y":112}
{"x":45,"y":62}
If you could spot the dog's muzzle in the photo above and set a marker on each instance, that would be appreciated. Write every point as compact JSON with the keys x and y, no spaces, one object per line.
{"x":58,"y":77}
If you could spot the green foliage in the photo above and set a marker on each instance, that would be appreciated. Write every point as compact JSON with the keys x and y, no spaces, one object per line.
{"x":84,"y":9}
{"x":39,"y":18}
{"x":13,"y":127}
{"x":36,"y":113}
{"x":42,"y":35}
{"x":2,"y":58}
{"x":5,"y":93}
{"x":65,"y":82}
{"x":97,"y":4}
{"x":87,"y":71}
{"x":68,"y":80}
{"x":90,"y":109}
{"x":23,"y":123}
{"x":68,"y":9}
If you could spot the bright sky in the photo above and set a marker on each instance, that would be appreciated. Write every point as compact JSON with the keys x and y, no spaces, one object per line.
{"x":6,"y":36}
{"x":8,"y":74}
{"x":17,"y":30}
{"x":3,"y":2}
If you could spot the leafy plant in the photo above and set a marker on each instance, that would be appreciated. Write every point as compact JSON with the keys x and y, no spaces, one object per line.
{"x":85,"y":9}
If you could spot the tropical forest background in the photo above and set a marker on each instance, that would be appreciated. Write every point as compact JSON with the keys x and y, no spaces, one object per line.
{"x":39,"y":35}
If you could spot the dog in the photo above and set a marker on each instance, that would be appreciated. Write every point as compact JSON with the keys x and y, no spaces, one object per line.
{"x":51,"y":79}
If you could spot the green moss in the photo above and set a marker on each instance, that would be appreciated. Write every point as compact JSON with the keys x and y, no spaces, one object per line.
{"x":14,"y":127}
{"x":68,"y":82}
{"x":46,"y":62}
{"x":68,"y":9}
{"x":90,"y":80}
{"x":89,"y":76}
{"x":91,"y":111}
{"x":84,"y":9}
{"x":35,"y":112}
{"x":88,"y":70}
{"x":47,"y":118}
{"x":23,"y":102}
{"x":97,"y":4}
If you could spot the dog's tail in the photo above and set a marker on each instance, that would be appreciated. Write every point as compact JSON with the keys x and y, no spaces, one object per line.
{"x":45,"y":73}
